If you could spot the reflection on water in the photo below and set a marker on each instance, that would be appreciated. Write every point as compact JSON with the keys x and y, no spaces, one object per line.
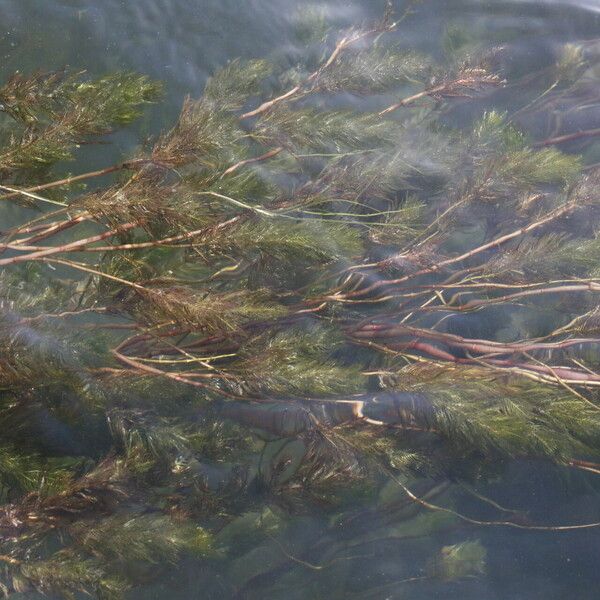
{"x":181,"y":42}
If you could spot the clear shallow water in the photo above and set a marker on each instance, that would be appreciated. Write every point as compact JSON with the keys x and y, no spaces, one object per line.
{"x":180,"y":42}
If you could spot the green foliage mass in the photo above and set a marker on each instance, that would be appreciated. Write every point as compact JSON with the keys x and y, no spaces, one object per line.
{"x":329,"y":307}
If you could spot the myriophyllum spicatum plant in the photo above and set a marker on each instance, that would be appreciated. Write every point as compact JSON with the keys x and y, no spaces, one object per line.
{"x":282,"y":305}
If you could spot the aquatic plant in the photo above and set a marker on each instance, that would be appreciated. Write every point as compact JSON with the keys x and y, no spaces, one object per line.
{"x":282,"y":305}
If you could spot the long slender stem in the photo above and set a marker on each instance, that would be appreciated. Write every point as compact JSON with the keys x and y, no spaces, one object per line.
{"x":67,"y":247}
{"x":559,"y":212}
{"x":569,"y":137}
{"x":65,"y":181}
{"x":311,"y":80}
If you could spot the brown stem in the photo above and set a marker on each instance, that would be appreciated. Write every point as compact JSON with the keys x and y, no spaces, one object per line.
{"x":62,"y":315}
{"x":585,"y":466}
{"x":174,"y":376}
{"x":67,"y":247}
{"x":265,"y":106}
{"x":132,"y":246}
{"x":448,"y":88}
{"x":344,"y":43}
{"x":30,"y":226}
{"x":567,"y":374}
{"x":46,"y":232}
{"x":542,"y":372}
{"x":87,"y":269}
{"x":569,"y":137}
{"x":587,"y":287}
{"x":555,"y":214}
{"x":410,"y":99}
{"x":68,"y":180}
{"x":248,"y":161}
{"x":471,"y":345}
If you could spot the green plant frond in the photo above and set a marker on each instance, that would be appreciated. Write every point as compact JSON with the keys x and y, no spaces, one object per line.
{"x":529,"y":167}
{"x":249,"y":184}
{"x":28,"y":98}
{"x":571,"y":63}
{"x":37,"y":513}
{"x":507,"y":159}
{"x":310,"y":24}
{"x":68,"y":574}
{"x":230,"y":88}
{"x":159,"y":210}
{"x":33,"y":358}
{"x":374,"y":71}
{"x":300,"y":364}
{"x":28,"y":292}
{"x":60,"y":111}
{"x":511,"y":418}
{"x":327,"y":472}
{"x":305,"y":240}
{"x":21,"y":472}
{"x":37,"y":151}
{"x":566,"y":257}
{"x":205,"y":312}
{"x":386,"y":446}
{"x":154,"y":539}
{"x":202,"y":136}
{"x":321,"y":131}
{"x":382,"y":173}
{"x":533,"y":255}
{"x":158,"y":437}
{"x":112,"y":100}
{"x":549,"y":256}
{"x":494,"y":133}
{"x":401,"y":225}
{"x":85,"y":106}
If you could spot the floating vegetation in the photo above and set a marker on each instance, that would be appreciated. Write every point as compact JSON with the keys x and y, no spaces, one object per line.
{"x":282,"y":307}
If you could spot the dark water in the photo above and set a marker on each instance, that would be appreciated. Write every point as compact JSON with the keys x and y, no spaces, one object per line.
{"x":180,"y":42}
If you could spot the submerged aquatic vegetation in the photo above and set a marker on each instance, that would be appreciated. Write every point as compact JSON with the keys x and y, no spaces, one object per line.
{"x":282,"y":306}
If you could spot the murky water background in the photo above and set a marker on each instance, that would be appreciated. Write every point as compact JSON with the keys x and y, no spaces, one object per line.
{"x":180,"y":42}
